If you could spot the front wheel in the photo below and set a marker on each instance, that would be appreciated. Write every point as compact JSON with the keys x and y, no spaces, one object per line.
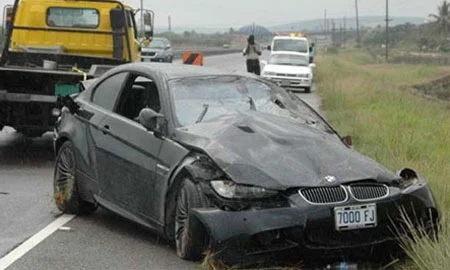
{"x":190,"y":243}
{"x":307,"y":89}
{"x":65,"y":186}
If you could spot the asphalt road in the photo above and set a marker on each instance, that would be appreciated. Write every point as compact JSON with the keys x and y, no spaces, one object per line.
{"x":100,"y":241}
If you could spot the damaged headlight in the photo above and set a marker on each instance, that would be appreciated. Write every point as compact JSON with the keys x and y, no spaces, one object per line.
{"x":408,"y":178}
{"x":230,"y":190}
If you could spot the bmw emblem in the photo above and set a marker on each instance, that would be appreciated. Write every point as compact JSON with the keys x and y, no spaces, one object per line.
{"x":330,"y":179}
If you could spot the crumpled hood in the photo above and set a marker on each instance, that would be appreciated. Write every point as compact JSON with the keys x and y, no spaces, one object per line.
{"x":278,"y":153}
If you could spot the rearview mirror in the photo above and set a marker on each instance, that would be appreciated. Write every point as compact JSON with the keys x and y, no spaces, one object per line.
{"x":151,"y":120}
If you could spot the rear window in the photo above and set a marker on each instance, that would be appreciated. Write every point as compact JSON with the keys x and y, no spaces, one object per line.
{"x":73,"y":17}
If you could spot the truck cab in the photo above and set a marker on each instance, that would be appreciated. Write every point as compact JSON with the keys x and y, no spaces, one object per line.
{"x":52,"y":45}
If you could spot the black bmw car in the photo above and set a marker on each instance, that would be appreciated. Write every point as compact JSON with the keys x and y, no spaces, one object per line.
{"x":228,"y":163}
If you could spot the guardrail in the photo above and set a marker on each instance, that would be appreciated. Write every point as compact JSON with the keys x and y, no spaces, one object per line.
{"x":206,"y":52}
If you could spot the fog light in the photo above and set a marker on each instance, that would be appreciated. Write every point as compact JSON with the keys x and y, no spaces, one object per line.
{"x":56,"y":112}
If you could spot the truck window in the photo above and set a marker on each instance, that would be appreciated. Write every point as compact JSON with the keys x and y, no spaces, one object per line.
{"x":73,"y":17}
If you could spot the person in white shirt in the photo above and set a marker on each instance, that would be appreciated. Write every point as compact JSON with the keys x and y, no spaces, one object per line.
{"x":253,"y":51}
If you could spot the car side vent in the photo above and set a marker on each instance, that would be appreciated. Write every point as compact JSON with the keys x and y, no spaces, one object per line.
{"x":324,"y":195}
{"x":365,"y":192}
{"x":246,"y":129}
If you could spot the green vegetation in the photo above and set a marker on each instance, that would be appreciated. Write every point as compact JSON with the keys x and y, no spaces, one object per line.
{"x":373,"y":103}
{"x":429,"y":37}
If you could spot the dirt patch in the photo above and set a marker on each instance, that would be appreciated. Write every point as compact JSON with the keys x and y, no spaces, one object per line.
{"x":438,"y":88}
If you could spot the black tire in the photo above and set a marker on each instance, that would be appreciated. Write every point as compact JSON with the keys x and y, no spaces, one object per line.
{"x":65,"y":185}
{"x":190,"y":243}
{"x":170,"y":59}
{"x":307,"y":89}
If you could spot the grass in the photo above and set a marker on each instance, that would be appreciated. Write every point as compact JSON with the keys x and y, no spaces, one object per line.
{"x":396,"y":128}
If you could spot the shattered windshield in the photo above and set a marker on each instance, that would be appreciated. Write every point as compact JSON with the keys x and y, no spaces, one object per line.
{"x":199,"y":99}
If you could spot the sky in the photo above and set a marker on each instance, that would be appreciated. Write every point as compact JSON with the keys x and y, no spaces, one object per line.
{"x":236,"y":13}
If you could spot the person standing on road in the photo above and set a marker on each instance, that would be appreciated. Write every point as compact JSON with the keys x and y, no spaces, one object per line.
{"x":312,"y":53}
{"x":253,"y":51}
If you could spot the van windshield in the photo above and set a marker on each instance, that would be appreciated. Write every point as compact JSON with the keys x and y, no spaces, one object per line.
{"x":291,"y":45}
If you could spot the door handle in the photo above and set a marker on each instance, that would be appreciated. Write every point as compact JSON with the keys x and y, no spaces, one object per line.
{"x":105,"y":129}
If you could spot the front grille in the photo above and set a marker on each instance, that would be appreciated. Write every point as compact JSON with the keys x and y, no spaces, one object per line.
{"x":366,"y":192}
{"x":324,"y":195}
{"x":285,"y":75}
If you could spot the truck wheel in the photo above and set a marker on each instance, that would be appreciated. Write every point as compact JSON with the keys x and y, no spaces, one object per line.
{"x":307,"y":89}
{"x":65,"y":185}
{"x":190,"y":243}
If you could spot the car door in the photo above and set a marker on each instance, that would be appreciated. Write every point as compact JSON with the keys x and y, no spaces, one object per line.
{"x":102,"y":103}
{"x":132,"y":150}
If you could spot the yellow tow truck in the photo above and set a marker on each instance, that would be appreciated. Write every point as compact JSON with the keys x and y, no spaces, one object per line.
{"x":52,"y":45}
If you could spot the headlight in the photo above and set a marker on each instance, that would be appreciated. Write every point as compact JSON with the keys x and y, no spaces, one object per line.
{"x":408,"y":178}
{"x":230,"y":190}
{"x":303,"y":75}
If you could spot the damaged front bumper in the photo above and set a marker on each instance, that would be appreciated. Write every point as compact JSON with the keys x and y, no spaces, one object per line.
{"x":306,"y":231}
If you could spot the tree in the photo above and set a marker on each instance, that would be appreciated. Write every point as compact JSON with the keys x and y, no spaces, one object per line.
{"x":443,"y":17}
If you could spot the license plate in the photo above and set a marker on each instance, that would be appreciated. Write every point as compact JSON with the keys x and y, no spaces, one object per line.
{"x":355,"y":217}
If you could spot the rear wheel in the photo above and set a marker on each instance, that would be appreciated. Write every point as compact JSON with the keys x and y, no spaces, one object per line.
{"x":190,"y":243}
{"x":65,"y":186}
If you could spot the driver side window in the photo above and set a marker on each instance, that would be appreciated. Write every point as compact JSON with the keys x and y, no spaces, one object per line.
{"x":139,"y":93}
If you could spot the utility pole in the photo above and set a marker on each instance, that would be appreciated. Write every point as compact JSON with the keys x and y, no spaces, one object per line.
{"x":357,"y":22}
{"x":333,"y":35}
{"x":345,"y":30}
{"x":170,"y":24}
{"x":387,"y":30}
{"x":142,"y":18}
{"x":325,"y":23}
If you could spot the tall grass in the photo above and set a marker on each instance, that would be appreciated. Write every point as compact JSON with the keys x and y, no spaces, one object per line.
{"x":396,"y":128}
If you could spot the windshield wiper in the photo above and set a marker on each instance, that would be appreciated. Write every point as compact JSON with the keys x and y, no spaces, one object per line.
{"x":202,"y":115}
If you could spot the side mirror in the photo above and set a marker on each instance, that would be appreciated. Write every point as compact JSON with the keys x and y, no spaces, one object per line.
{"x":269,"y":48}
{"x":69,"y":103}
{"x":151,"y":120}
{"x":348,"y":141}
{"x":168,"y":47}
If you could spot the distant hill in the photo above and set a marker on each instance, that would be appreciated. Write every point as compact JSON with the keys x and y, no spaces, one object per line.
{"x":317,"y":25}
{"x":307,"y":25}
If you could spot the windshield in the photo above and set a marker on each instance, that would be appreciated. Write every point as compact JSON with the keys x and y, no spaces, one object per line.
{"x":289,"y":60}
{"x":291,"y":45}
{"x":199,"y":99}
{"x":157,"y":44}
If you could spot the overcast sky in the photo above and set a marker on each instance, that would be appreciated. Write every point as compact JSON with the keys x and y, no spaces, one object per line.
{"x":235,"y":13}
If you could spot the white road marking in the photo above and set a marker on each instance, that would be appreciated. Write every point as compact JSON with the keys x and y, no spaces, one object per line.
{"x":33,"y":241}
